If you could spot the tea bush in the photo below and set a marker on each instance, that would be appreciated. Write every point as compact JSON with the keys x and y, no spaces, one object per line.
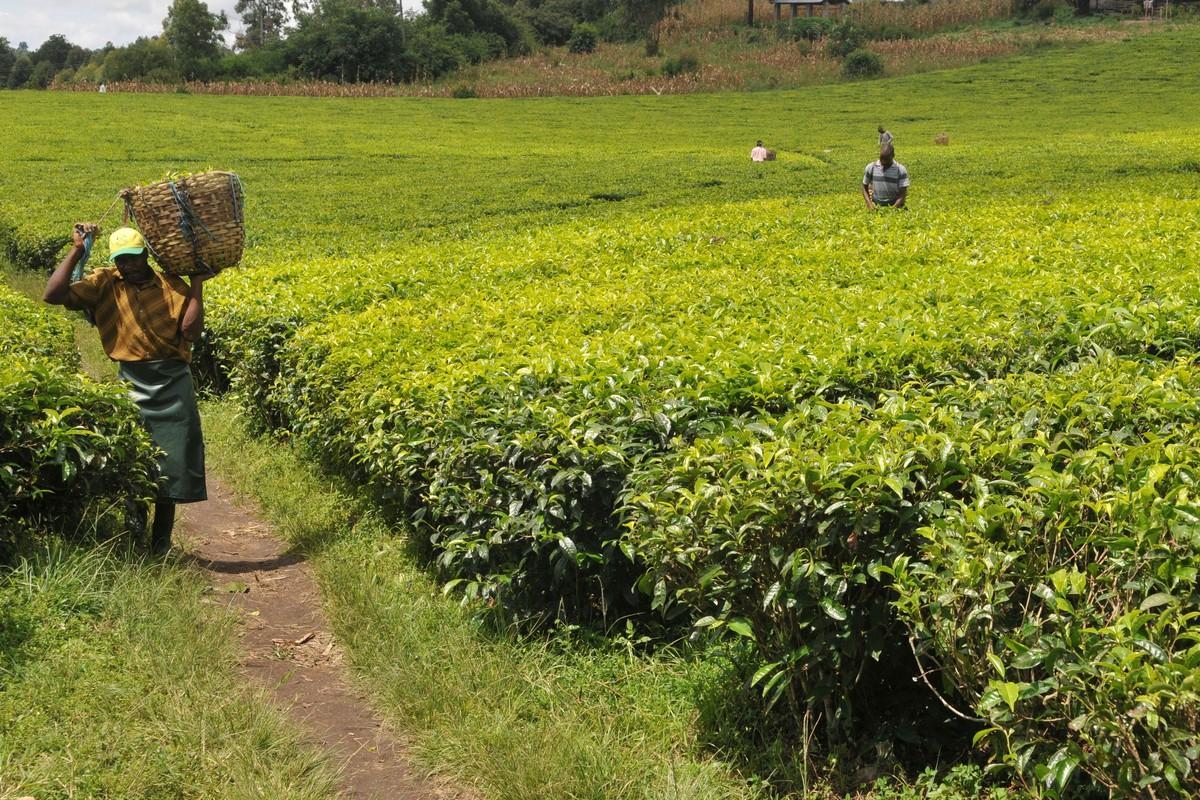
{"x":68,"y":446}
{"x":1006,"y":513}
{"x":26,"y":243}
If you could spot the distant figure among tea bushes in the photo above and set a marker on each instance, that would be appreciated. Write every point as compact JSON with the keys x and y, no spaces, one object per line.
{"x":885,"y":182}
{"x":885,"y":137}
{"x":147,"y":322}
{"x":103,"y":89}
{"x":759,"y":153}
{"x":1148,"y":8}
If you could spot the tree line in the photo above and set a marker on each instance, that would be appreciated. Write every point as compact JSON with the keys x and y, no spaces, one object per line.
{"x":334,"y":40}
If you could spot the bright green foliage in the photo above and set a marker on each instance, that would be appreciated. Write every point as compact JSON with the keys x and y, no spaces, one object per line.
{"x":26,"y":244}
{"x":862,"y":63}
{"x":32,"y":331}
{"x":634,"y":373}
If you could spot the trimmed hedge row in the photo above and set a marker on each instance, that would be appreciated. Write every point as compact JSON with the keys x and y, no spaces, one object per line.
{"x":1033,"y":538}
{"x":70,"y":448}
{"x":505,"y":419}
{"x":27,"y":245}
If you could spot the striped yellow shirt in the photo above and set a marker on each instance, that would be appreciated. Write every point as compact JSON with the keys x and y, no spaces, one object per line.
{"x":136,"y":323}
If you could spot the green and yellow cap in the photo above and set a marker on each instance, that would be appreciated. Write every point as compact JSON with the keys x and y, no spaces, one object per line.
{"x":125,"y":242}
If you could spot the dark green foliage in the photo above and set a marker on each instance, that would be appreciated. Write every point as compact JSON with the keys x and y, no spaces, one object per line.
{"x":42,"y":75}
{"x":22,"y":69}
{"x":643,"y":16}
{"x":257,"y":62}
{"x":54,"y":52}
{"x":7,"y":58}
{"x":845,"y":36}
{"x":348,"y":42}
{"x":262,"y":22}
{"x":686,"y":63}
{"x":887,"y":31}
{"x":551,"y":25}
{"x":469,"y":17}
{"x":862,"y":64}
{"x":69,"y":447}
{"x":194,"y":35}
{"x":1039,"y":531}
{"x":804,"y":29}
{"x":147,"y":58}
{"x":583,"y":38}
{"x":1045,"y":10}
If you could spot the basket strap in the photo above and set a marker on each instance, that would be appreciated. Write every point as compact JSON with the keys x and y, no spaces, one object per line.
{"x":235,"y":189}
{"x":188,"y":218}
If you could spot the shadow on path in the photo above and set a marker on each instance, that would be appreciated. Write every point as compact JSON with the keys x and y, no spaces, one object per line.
{"x":288,"y":648}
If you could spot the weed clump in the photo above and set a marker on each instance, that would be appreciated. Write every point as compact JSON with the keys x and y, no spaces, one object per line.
{"x":683,"y":64}
{"x":862,"y":64}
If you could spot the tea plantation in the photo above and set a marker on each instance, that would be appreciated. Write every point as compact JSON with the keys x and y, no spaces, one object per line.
{"x":604,"y":368}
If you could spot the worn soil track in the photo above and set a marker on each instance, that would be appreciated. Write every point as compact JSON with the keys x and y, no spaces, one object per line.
{"x":288,"y":648}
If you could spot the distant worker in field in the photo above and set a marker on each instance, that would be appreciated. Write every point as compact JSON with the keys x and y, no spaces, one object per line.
{"x":885,"y":182}
{"x":1148,"y":8}
{"x":885,"y":137}
{"x":103,"y":89}
{"x":759,"y":153}
{"x":147,"y":322}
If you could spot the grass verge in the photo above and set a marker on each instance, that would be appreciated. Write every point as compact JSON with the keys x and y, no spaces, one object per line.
{"x":116,"y":681}
{"x":513,"y":719}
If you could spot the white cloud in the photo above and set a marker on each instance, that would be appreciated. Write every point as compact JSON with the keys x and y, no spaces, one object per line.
{"x":91,"y":23}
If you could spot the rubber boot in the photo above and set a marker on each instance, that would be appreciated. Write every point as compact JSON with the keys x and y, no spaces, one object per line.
{"x":160,"y":531}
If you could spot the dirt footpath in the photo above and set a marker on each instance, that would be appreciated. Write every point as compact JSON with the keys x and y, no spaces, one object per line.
{"x":288,"y":648}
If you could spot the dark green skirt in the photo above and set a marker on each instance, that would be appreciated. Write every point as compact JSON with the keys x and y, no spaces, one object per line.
{"x":166,"y":397}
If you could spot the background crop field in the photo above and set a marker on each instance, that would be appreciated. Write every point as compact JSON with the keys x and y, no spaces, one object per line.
{"x":604,"y":368}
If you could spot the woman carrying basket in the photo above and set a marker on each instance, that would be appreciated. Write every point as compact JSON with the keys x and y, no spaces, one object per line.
{"x":147,"y":322}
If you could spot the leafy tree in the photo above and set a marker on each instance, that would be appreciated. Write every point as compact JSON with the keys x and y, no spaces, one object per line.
{"x":350,"y":41}
{"x":466,"y":17}
{"x":55,"y":51}
{"x":7,"y":57}
{"x":583,"y":38}
{"x":644,"y":16}
{"x":262,"y":21}
{"x":22,"y":68}
{"x":42,"y":75}
{"x":194,"y":35}
{"x":77,"y":57}
{"x":147,"y":58}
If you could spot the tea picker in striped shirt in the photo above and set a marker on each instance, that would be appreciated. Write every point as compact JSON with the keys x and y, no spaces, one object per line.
{"x":147,"y":322}
{"x":885,"y":182}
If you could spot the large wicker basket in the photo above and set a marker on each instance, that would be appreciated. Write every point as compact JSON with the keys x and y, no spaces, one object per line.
{"x":191,"y":224}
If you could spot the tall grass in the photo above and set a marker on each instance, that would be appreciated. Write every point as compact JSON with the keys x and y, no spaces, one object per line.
{"x":924,"y":18}
{"x":920,"y":18}
{"x":117,"y":681}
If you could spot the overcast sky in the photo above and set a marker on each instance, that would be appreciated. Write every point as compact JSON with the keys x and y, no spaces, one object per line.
{"x":91,"y":23}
